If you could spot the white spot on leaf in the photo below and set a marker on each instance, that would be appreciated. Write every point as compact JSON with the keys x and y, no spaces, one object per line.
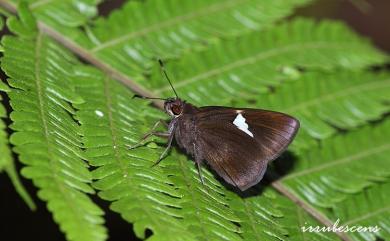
{"x":99,"y":113}
{"x":241,"y":124}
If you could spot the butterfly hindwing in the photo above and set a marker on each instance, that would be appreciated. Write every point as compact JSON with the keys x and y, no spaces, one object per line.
{"x":239,"y":143}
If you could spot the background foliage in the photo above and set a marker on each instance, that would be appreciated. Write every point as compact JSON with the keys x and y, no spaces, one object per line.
{"x":72,"y":121}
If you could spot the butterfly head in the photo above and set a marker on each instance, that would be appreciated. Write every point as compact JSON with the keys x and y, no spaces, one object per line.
{"x":174,"y":106}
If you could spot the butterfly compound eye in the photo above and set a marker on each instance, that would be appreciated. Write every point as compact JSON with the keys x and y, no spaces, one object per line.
{"x":176,"y":109}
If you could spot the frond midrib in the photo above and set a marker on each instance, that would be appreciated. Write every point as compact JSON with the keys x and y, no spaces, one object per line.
{"x":114,"y":138}
{"x":167,"y":23}
{"x":38,"y":82}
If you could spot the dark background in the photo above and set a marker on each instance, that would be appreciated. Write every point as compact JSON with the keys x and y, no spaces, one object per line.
{"x":369,"y":18}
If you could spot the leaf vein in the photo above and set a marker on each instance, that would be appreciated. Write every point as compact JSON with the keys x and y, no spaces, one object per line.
{"x":252,"y":60}
{"x":342,"y":93}
{"x":164,"y":24}
{"x":368,"y":215}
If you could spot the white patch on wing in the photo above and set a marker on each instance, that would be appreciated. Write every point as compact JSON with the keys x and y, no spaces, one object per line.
{"x":241,"y":124}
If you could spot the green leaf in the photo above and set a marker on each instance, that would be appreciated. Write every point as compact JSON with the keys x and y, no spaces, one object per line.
{"x":278,"y":217}
{"x":65,"y":16}
{"x":135,"y":35}
{"x":142,"y":35}
{"x":65,"y":113}
{"x":6,"y":160}
{"x":68,"y":13}
{"x":176,"y":207}
{"x":25,"y":26}
{"x":46,"y":137}
{"x":5,"y":157}
{"x":369,"y":208}
{"x":331,"y":101}
{"x":244,"y":67}
{"x":107,"y":119}
{"x":1,"y":22}
{"x":169,"y":199}
{"x":259,"y":211}
{"x":326,"y":174}
{"x":3,"y":87}
{"x":295,"y":218}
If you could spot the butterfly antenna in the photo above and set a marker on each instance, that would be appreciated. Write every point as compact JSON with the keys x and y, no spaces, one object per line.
{"x":166,"y":76}
{"x":148,"y":98}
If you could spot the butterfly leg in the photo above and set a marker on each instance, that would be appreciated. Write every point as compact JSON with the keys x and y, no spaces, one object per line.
{"x":171,"y":135}
{"x":198,"y":161}
{"x":152,"y":133}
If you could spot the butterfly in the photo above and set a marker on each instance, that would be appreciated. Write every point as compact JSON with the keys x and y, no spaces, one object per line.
{"x":238,"y":143}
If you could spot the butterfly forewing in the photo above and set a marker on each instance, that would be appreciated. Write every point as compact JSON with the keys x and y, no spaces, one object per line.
{"x":239,"y":143}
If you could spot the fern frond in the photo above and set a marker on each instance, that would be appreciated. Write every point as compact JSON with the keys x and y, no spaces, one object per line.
{"x":258,"y":211}
{"x":6,"y":160}
{"x":4,"y":148}
{"x":66,"y":13}
{"x":65,"y":113}
{"x":164,"y":29}
{"x":343,"y":164}
{"x":141,"y":194}
{"x":46,"y":136}
{"x":369,"y":208}
{"x":67,"y":17}
{"x":325,"y":101}
{"x":131,"y":38}
{"x":1,"y":47}
{"x":294,"y":218}
{"x":248,"y":65}
{"x":267,"y":215}
{"x":205,"y":209}
{"x":169,"y":199}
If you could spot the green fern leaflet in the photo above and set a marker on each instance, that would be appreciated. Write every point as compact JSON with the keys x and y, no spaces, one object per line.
{"x":72,"y":122}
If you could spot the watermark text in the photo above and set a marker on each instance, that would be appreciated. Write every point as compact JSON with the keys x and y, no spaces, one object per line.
{"x":341,"y":229}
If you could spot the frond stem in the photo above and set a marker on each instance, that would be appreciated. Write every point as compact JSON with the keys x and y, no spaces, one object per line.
{"x":87,"y":56}
{"x":307,"y":207}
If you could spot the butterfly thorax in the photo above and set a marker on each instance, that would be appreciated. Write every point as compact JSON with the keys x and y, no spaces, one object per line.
{"x":184,"y":127}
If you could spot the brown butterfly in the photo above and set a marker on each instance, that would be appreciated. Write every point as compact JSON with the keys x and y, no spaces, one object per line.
{"x":237,"y":143}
